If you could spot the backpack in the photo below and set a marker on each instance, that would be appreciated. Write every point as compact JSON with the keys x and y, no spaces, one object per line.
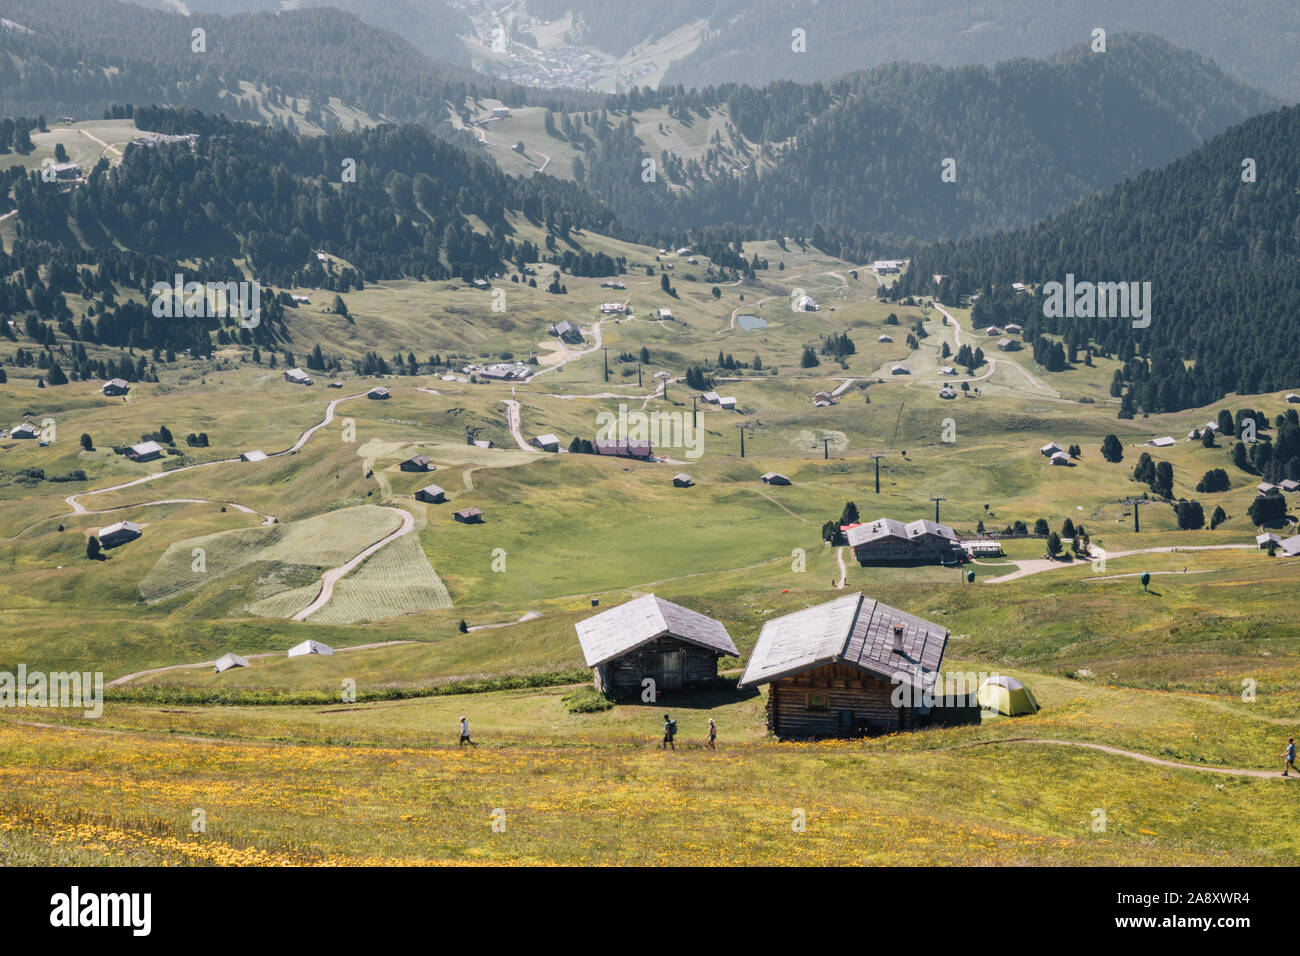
{"x":672,"y":728}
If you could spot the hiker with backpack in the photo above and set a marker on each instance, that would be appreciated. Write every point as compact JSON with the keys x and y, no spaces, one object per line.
{"x":670,"y":731}
{"x":1289,"y":754}
{"x":713,"y":735}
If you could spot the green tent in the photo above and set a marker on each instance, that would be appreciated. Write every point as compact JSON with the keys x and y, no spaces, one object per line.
{"x":1007,"y":696}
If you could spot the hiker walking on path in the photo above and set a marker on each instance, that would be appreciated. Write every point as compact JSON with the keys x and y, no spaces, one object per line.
{"x":464,"y":732}
{"x":713,"y":734}
{"x":1289,"y":754}
{"x":670,"y":731}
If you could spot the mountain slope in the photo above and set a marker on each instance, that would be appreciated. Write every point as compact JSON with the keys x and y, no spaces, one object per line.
{"x":82,"y":56}
{"x":1222,"y":256}
{"x":750,"y":40}
{"x":866,"y":154}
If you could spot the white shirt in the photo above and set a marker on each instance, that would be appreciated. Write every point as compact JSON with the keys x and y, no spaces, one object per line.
{"x":464,"y":727}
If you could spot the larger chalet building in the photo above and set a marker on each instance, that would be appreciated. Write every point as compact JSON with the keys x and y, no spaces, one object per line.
{"x":650,"y":637}
{"x":887,"y":540}
{"x":852,"y":667}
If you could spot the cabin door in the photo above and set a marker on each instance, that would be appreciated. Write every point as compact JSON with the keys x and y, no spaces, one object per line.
{"x":846,"y":723}
{"x":671,"y":665}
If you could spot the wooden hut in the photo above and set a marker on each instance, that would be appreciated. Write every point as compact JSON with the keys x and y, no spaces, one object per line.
{"x":469,"y":516}
{"x":431,"y":494}
{"x":650,"y":637}
{"x":417,"y":463}
{"x":850,"y":667}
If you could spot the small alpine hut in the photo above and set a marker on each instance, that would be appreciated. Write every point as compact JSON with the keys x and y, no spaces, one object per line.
{"x":650,"y":637}
{"x":851,"y":667}
{"x":683,"y":480}
{"x":417,"y":463}
{"x":469,"y":516}
{"x":431,"y":494}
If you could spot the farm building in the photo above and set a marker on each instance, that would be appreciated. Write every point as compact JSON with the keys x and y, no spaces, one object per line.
{"x":900,"y":370}
{"x":622,"y":448}
{"x":506,"y":371}
{"x":297,"y":376}
{"x":1008,"y":345}
{"x":1163,"y":442}
{"x":993,"y":330}
{"x":806,"y":303}
{"x":417,"y":463}
{"x":226,"y":661}
{"x":1292,"y":397}
{"x":378,"y":393}
{"x":484,"y":443}
{"x":118,"y":534}
{"x":547,"y":442}
{"x":1013,"y":328}
{"x":613,"y":284}
{"x":1264,"y":487}
{"x":480,"y":283}
{"x":469,"y":516}
{"x":727,"y":401}
{"x":1060,"y":458}
{"x":983,"y":547}
{"x":711,"y":397}
{"x":887,"y":539}
{"x":1050,"y":449}
{"x":613,"y":308}
{"x":116,"y":386}
{"x":665,"y":315}
{"x":884,"y":266}
{"x":852,"y":667}
{"x":773,"y":478}
{"x":311,"y":647}
{"x":145,"y":451}
{"x":25,"y":430}
{"x":683,"y":480}
{"x":947,"y":370}
{"x":947,"y":392}
{"x":1265,"y":539}
{"x":886,"y":338}
{"x":500,"y":112}
{"x":253,"y":456}
{"x":652,"y":638}
{"x":1289,"y":485}
{"x":1290,"y":546}
{"x":822,"y":399}
{"x":431,"y":494}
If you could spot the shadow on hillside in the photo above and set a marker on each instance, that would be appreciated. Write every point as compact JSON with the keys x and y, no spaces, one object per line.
{"x":704,"y":697}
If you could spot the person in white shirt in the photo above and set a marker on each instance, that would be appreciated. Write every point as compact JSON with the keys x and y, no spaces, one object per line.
{"x":464,"y":732}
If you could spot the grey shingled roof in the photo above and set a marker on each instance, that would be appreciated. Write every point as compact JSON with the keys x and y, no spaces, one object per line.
{"x":612,"y":633}
{"x":854,"y":630}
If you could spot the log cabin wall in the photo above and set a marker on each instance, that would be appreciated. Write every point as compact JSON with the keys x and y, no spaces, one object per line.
{"x":623,"y":675}
{"x":866,"y":699}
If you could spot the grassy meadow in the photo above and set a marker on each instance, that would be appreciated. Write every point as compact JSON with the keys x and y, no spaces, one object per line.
{"x":1200,"y":668}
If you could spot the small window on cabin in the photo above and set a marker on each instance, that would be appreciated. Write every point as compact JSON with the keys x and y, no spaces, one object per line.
{"x":816,"y":702}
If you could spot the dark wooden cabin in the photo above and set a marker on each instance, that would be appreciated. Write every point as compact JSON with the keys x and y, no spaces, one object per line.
{"x":650,"y":637}
{"x":853,"y":667}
